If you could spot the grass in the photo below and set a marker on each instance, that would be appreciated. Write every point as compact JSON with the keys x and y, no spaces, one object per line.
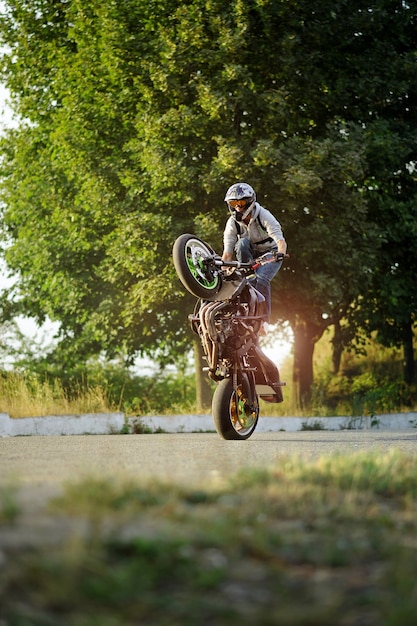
{"x":332,"y":542}
{"x":25,"y":395}
{"x":9,"y":508}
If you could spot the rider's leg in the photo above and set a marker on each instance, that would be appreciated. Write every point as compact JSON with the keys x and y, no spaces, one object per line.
{"x":243,"y":249}
{"x":264,"y":275}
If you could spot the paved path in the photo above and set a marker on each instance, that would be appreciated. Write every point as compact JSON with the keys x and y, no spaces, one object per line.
{"x":40,"y":466}
{"x":187,"y":457}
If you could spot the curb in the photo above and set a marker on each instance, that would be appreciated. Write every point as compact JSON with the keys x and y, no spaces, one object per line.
{"x":85,"y":424}
{"x":204,"y":423}
{"x":116,"y":423}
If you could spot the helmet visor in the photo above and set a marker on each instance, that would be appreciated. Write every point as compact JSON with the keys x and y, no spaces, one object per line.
{"x":238,"y":204}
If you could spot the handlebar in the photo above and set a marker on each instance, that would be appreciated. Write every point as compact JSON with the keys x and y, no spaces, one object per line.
{"x":268,"y":257}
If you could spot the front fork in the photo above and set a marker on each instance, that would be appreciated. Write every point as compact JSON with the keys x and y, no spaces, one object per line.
{"x":247,"y":397}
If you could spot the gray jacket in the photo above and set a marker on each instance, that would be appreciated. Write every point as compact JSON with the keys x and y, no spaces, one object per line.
{"x":263,"y":231}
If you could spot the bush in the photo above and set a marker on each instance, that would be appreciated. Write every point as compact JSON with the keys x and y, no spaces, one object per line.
{"x":367,"y":384}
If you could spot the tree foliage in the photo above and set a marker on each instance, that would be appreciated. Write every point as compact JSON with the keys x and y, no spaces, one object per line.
{"x":137,"y":115}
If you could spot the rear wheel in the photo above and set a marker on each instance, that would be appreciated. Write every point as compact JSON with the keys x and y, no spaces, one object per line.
{"x":235,"y":411}
{"x":191,"y":261}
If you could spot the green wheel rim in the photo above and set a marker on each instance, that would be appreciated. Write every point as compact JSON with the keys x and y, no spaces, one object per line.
{"x":195,"y":263}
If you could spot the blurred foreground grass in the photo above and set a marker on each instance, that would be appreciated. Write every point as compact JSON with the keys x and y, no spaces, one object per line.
{"x":332,"y":542}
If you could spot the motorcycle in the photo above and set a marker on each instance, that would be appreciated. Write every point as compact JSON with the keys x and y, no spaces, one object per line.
{"x":228,"y":318}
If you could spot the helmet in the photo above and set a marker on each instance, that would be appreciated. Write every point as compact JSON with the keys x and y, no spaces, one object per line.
{"x":240,"y":191}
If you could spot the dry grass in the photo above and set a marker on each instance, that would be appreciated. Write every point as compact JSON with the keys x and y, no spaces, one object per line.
{"x":27,"y":396}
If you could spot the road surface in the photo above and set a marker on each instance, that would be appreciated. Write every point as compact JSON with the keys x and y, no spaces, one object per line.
{"x":191,"y":458}
{"x":35,"y":469}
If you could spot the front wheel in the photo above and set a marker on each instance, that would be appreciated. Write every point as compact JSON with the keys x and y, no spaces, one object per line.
{"x":191,"y":257}
{"x":235,"y":411}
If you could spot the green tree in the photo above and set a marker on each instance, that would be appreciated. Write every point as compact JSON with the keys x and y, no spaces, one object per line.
{"x":86,"y":254}
{"x":335,"y":243}
{"x":377,"y":48}
{"x":390,"y":307}
{"x":136,"y":116}
{"x":358,"y":61}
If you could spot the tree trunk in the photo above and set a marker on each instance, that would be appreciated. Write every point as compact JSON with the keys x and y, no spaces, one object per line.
{"x":202,"y":381}
{"x":306,"y":335}
{"x":337,"y":347}
{"x":408,"y":351}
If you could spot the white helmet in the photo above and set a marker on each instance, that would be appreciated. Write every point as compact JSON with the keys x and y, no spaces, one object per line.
{"x":240,"y":191}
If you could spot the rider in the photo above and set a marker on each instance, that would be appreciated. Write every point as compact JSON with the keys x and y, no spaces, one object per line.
{"x":251,"y":231}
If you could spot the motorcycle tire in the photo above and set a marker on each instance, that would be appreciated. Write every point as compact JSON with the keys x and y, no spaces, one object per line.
{"x":234,"y":416}
{"x":188,"y":255}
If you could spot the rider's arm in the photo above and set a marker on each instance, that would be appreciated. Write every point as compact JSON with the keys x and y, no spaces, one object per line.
{"x":273,"y":228}
{"x":282,"y":246}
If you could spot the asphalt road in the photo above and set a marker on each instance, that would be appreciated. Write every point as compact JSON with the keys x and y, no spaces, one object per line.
{"x":191,"y":458}
{"x":35,"y":469}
